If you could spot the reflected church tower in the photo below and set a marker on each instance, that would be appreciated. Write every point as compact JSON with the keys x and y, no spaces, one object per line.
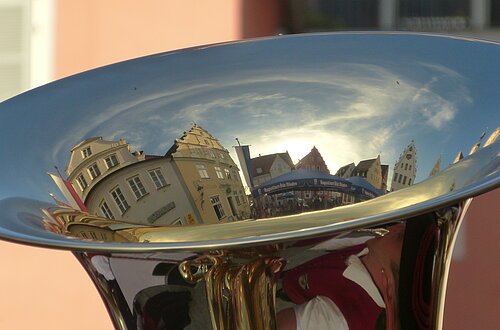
{"x":405,"y":169}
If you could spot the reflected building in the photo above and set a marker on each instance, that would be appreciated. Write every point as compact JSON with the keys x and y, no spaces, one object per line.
{"x":346,"y":171}
{"x":211,"y":177}
{"x":313,"y":161}
{"x":436,"y":168}
{"x":405,"y":169}
{"x":93,"y":159}
{"x":310,"y":186}
{"x":371,"y":169}
{"x":493,"y":137}
{"x":196,"y":181}
{"x":116,"y":183}
{"x":385,"y":176}
{"x":259,"y":170}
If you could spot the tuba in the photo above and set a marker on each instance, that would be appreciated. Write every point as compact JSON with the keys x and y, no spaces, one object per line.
{"x":292,"y":181}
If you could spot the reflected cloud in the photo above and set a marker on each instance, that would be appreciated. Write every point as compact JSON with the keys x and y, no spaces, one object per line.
{"x":350,"y":105}
{"x":369,"y":103}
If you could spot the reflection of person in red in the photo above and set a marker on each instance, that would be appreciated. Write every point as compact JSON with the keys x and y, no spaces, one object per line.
{"x":354,"y":288}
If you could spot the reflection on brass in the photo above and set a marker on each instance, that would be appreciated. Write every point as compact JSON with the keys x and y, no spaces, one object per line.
{"x":66,"y":221}
{"x":240,"y":296}
{"x":380,"y":232}
{"x":189,"y":184}
{"x":202,"y":264}
{"x":449,"y":221}
{"x":332,"y":220}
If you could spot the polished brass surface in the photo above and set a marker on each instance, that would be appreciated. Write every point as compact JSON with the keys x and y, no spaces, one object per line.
{"x":439,"y":189}
{"x":449,"y":221}
{"x":242,"y":296}
{"x":191,"y":184}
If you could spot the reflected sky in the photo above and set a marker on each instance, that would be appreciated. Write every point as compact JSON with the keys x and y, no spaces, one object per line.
{"x":351,"y":96}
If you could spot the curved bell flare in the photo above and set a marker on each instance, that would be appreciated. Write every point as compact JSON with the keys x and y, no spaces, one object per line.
{"x":261,"y":184}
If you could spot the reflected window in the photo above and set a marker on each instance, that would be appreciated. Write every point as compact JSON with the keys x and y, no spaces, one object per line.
{"x":404,"y":179}
{"x":94,"y":171}
{"x":236,"y":197}
{"x":217,"y":205}
{"x":202,"y":171}
{"x":120,"y":200}
{"x":82,"y":182}
{"x":137,"y":187}
{"x":259,"y":170}
{"x":409,"y":181}
{"x":157,"y":178}
{"x":400,"y":177}
{"x":86,"y":152}
{"x":218,"y":170}
{"x":196,"y":152}
{"x":106,"y":211}
{"x":410,"y":168}
{"x":228,"y":174}
{"x":406,"y":166}
{"x":111,"y":161}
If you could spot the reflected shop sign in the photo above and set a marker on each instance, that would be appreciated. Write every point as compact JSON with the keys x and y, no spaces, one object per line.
{"x":332,"y":183}
{"x":158,"y":213}
{"x":368,"y":193}
{"x":304,"y":184}
{"x":279,"y":186}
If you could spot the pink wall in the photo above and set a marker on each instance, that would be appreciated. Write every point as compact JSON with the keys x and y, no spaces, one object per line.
{"x":47,"y":289}
{"x":473,"y":298}
{"x":93,"y":33}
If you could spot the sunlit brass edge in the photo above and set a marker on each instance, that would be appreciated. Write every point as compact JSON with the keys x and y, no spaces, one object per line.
{"x":114,"y":312}
{"x":470,"y":177}
{"x":450,"y":231}
{"x":214,"y":243}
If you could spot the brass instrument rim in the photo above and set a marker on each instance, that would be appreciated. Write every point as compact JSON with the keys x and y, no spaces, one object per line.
{"x":475,"y":175}
{"x":488,"y":183}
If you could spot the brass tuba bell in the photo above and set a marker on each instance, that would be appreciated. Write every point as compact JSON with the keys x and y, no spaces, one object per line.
{"x":286,"y":182}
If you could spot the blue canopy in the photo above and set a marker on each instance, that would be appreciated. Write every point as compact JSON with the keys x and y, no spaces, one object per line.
{"x":364,"y":188}
{"x":300,"y":180}
{"x":303,"y":180}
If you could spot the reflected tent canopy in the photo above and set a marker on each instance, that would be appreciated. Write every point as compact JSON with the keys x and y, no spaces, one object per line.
{"x":309,"y":180}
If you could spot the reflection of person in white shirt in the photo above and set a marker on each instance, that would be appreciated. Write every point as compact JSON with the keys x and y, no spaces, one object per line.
{"x":339,"y":291}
